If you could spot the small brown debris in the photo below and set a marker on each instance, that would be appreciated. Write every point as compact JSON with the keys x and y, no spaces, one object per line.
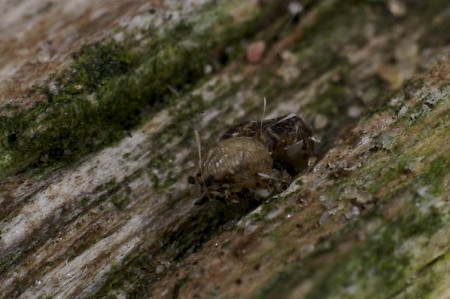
{"x":255,"y":51}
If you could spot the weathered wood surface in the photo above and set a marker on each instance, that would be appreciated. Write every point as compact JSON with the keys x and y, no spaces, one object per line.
{"x":94,"y":157}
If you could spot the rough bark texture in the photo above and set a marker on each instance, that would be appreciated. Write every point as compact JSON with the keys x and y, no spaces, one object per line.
{"x":99,"y":102}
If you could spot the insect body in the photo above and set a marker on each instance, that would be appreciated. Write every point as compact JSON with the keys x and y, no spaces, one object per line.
{"x":238,"y":161}
{"x":234,"y":167}
{"x":287,"y":138}
{"x":253,"y":160}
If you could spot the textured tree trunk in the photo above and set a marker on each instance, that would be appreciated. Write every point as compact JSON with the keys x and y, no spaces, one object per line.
{"x":99,"y":103}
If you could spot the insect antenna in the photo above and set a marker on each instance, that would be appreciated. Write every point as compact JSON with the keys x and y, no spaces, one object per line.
{"x":263,"y":115}
{"x":199,"y":149}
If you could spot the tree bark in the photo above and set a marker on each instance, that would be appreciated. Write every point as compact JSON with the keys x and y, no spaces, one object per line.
{"x":99,"y":103}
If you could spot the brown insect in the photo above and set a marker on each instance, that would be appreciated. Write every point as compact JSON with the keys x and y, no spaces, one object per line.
{"x":253,"y":160}
{"x":287,"y":138}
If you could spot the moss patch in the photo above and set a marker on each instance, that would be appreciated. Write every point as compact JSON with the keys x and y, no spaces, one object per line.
{"x":375,"y":268}
{"x":106,"y":90}
{"x":385,"y":270}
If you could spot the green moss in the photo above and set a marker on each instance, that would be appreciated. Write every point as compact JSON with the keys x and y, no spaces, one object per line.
{"x":388,"y":174}
{"x":276,"y":236}
{"x":332,"y":21}
{"x":378,"y":260}
{"x":381,"y":171}
{"x":84,"y":202}
{"x":108,"y":86}
{"x":424,"y":288}
{"x":93,"y":65}
{"x":155,"y":179}
{"x":381,"y":265}
{"x":265,"y":209}
{"x":435,"y":174}
{"x":117,"y":193}
{"x":75,"y":124}
{"x":328,"y":102}
{"x":375,"y":268}
{"x":111,"y":187}
{"x":120,"y":201}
